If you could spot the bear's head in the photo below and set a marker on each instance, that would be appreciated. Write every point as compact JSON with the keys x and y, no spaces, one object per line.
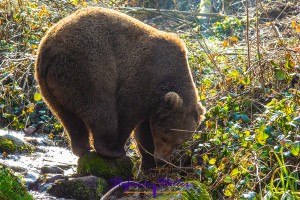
{"x":174,"y":123}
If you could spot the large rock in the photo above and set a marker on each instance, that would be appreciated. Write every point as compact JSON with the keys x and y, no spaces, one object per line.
{"x":82,"y":188}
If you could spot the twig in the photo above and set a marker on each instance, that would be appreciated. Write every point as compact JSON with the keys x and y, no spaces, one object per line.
{"x":274,"y":28}
{"x":106,"y":196}
{"x":247,"y":35}
{"x":257,"y":173}
{"x":257,"y":33}
{"x":6,"y":77}
{"x":27,"y":74}
{"x":159,"y":157}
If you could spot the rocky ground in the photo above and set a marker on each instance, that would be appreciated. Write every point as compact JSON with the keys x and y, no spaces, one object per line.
{"x":50,"y":172}
{"x":40,"y":168}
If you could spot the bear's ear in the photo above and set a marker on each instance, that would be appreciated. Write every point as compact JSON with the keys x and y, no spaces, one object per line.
{"x":172,"y":101}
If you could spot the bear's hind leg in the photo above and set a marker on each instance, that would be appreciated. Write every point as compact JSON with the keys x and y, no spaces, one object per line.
{"x":77,"y":131}
{"x":145,"y":144}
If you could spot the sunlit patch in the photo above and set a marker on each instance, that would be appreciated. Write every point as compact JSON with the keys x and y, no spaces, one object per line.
{"x":45,"y":155}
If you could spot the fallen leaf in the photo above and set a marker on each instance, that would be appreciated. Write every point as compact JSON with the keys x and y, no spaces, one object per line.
{"x":294,"y":23}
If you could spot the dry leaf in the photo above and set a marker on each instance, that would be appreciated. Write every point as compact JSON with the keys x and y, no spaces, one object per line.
{"x":225,"y":43}
{"x":297,"y":48}
{"x":294,"y":23}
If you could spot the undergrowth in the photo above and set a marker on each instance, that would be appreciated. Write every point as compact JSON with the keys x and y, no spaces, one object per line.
{"x":247,"y":148}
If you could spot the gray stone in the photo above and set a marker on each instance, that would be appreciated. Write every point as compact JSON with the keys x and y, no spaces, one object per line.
{"x":51,"y":178}
{"x":51,"y":170}
{"x":82,"y":188}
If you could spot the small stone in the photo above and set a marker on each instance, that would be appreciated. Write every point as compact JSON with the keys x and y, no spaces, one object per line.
{"x":28,"y":182}
{"x":52,"y":178}
{"x":31,"y":140}
{"x":44,"y":187}
{"x":32,"y":176}
{"x":51,"y":170}
{"x":30,"y":130}
{"x":64,"y":166}
{"x":18,"y":169}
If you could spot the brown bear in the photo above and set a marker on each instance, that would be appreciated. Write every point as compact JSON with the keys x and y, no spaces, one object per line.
{"x":105,"y":74}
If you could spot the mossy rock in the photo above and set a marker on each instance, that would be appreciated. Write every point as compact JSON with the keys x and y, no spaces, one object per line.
{"x":11,"y":144}
{"x":82,"y":188}
{"x":11,"y":187}
{"x":107,"y":168}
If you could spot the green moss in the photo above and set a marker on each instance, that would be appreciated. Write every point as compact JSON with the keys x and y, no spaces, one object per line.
{"x":10,"y":144}
{"x":101,"y":187}
{"x":7,"y":145}
{"x":68,"y":189}
{"x":10,"y":186}
{"x":94,"y":164}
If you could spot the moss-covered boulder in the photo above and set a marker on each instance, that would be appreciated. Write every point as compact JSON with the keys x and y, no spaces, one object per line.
{"x":82,"y":188}
{"x":11,"y":187}
{"x":11,"y":144}
{"x":107,"y":168}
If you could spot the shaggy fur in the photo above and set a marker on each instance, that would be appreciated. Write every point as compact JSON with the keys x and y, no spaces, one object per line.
{"x":104,"y":73}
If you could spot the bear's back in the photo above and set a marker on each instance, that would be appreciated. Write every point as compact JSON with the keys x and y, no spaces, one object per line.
{"x":99,"y":42}
{"x":93,"y":26}
{"x":98,"y":35}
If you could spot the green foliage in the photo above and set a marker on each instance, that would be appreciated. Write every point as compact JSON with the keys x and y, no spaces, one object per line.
{"x":240,"y":145}
{"x":196,"y":192}
{"x":10,"y":186}
{"x":26,"y":23}
{"x":249,"y":147}
{"x":228,"y":27}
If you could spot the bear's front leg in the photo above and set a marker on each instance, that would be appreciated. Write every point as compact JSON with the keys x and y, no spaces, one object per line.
{"x":103,"y":124}
{"x":143,"y":136}
{"x":106,"y":143}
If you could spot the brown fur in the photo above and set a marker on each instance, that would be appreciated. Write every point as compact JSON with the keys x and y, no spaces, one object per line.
{"x":105,"y":73}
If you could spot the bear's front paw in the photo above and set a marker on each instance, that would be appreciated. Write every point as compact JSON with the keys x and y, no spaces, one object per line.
{"x":111,"y":153}
{"x":80,"y":151}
